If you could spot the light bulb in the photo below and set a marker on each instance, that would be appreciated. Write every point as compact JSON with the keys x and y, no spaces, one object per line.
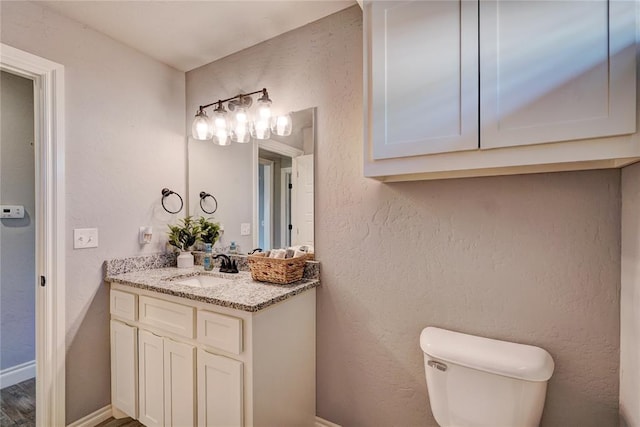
{"x":264,"y":109}
{"x":282,"y":125}
{"x":201,"y":128}
{"x":221,"y":137}
{"x":240,"y":126}
{"x":220,"y":127}
{"x":260,"y":129}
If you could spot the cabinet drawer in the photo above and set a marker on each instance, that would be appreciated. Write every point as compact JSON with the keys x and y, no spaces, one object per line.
{"x":167,"y":315}
{"x":124,"y":305}
{"x":220,"y":331}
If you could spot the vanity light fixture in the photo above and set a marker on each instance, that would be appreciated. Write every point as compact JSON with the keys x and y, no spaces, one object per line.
{"x":242,"y":126}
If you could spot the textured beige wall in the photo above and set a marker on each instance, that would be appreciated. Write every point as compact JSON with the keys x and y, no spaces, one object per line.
{"x":630,"y":299}
{"x":532,"y":259}
{"x":124,"y":143}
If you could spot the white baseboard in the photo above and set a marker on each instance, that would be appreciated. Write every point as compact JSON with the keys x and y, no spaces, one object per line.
{"x":324,"y":423}
{"x":94,"y":418}
{"x":17,"y":374}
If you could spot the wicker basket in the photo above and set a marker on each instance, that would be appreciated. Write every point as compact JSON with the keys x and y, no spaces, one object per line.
{"x":276,"y":270}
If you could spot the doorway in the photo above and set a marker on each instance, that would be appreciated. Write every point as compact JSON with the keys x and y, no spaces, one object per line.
{"x":48,"y":278}
{"x":274,"y":199}
{"x":266,"y":199}
{"x":17,"y":251}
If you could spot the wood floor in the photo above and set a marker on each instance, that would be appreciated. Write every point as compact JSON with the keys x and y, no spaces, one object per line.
{"x":123,"y":422}
{"x":18,"y":408}
{"x":18,"y":404}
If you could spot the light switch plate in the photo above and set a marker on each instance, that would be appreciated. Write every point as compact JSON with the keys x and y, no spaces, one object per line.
{"x":245,"y":229}
{"x":84,"y":238}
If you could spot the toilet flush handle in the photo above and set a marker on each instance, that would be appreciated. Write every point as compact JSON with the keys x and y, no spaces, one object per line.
{"x":438,"y":365}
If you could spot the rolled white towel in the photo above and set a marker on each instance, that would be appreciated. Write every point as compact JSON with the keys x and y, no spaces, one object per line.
{"x":278,"y":253}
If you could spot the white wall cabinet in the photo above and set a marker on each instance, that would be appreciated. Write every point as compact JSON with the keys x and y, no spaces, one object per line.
{"x":556,"y":71}
{"x":424,"y":77}
{"x":546,"y":86}
{"x":181,"y":362}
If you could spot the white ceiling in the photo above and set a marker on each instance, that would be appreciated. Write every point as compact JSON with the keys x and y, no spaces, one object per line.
{"x":188,"y":34}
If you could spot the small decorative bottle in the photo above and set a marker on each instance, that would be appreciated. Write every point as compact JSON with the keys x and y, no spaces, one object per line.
{"x":207,"y":262}
{"x":233,"y":249}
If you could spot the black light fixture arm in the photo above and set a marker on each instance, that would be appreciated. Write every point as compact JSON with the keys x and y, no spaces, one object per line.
{"x":263,"y":91}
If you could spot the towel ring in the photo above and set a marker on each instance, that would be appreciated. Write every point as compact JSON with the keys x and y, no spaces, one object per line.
{"x":166,"y":193}
{"x":203,"y":196}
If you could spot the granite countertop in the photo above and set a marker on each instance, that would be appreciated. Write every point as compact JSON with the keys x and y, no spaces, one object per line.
{"x":241,"y":292}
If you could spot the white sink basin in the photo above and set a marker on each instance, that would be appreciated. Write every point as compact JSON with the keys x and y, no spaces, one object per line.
{"x":204,"y":281}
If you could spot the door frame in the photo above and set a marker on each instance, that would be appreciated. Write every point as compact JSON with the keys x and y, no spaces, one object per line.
{"x":49,"y":132}
{"x":267,"y":207}
{"x":274,"y":147}
{"x":285,"y":193}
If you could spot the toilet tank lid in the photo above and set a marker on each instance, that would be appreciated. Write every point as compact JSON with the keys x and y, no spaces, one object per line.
{"x":504,"y":358}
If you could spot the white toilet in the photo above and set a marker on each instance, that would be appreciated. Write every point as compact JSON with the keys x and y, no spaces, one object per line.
{"x":481,"y":382}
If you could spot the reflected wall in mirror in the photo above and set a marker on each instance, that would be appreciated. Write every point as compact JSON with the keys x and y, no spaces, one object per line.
{"x":251,"y":185}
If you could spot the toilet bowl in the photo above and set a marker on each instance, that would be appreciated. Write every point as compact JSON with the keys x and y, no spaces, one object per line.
{"x":481,"y":382}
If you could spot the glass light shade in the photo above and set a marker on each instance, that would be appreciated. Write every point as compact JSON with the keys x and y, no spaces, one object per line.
{"x":260,"y":129}
{"x":261,"y":126}
{"x":282,"y":125}
{"x":221,"y":128}
{"x":264,"y":109}
{"x":240,"y":127}
{"x":201,"y":128}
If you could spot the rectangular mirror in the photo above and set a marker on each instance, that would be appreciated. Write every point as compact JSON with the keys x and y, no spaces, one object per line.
{"x":264,"y":188}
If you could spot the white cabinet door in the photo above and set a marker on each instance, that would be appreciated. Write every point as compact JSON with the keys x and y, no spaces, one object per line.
{"x":124,"y":370}
{"x":151,"y":368}
{"x":556,"y":71}
{"x":179,"y":384}
{"x":423,"y":71}
{"x":219,"y":391}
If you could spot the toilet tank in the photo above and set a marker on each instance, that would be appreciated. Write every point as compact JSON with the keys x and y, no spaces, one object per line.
{"x":481,"y":382}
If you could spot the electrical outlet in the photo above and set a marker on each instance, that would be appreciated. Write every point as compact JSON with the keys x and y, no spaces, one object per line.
{"x":84,"y":238}
{"x":245,"y":229}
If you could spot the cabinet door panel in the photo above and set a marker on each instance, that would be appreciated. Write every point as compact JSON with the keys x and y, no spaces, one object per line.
{"x":424,"y":77}
{"x":219,"y":391}
{"x":556,"y":70}
{"x":124,"y":370}
{"x":220,"y":331}
{"x":170,"y":316}
{"x":123,"y":304}
{"x":179,"y":384}
{"x":151,"y":369}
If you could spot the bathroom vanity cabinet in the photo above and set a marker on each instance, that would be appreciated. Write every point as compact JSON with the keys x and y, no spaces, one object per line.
{"x":473,"y":88}
{"x":179,"y":362}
